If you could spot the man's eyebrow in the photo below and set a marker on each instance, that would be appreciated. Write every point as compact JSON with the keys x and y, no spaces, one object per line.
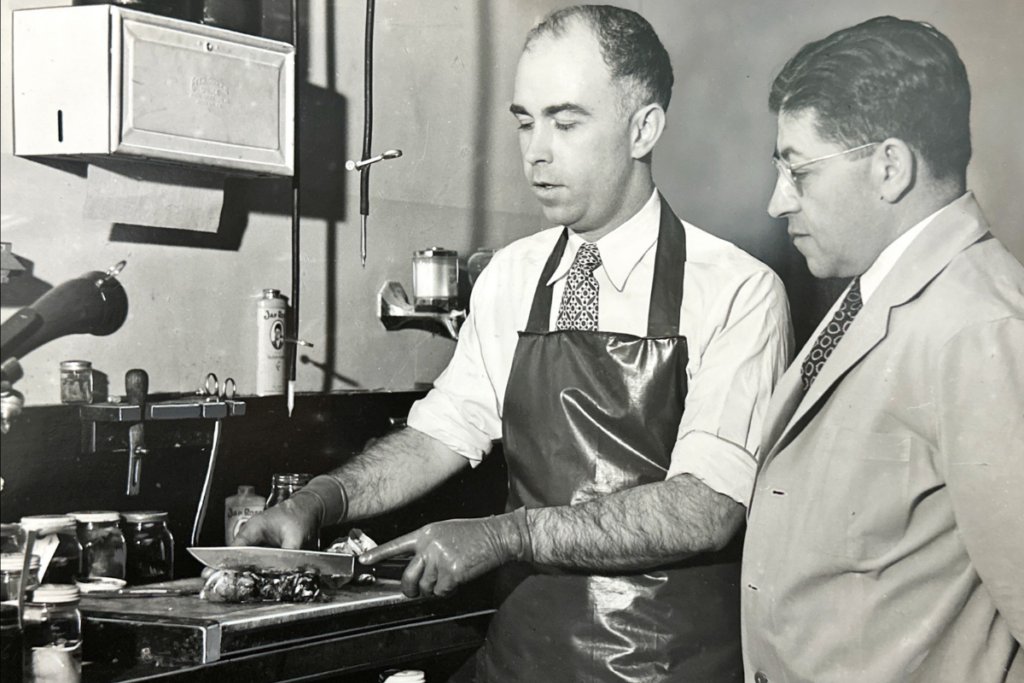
{"x":552,"y":110}
{"x":786,"y":152}
{"x":566,"y":108}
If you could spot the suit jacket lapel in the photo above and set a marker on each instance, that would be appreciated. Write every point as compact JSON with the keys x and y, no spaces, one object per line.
{"x":959,"y":226}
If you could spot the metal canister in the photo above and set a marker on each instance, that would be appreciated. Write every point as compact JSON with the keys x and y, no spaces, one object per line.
{"x":271,"y":363}
{"x":435,"y":279}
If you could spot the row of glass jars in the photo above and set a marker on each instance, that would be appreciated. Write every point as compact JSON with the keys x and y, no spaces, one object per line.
{"x":91,"y":545}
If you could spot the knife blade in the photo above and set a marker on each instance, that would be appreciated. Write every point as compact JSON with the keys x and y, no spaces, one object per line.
{"x":251,"y":558}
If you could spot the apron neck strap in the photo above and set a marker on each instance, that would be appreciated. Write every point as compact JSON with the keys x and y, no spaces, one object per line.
{"x":540,"y":312}
{"x":667,"y":287}
{"x":669,"y":267}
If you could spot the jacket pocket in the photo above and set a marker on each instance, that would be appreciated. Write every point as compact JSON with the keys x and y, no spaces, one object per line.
{"x":867,"y":491}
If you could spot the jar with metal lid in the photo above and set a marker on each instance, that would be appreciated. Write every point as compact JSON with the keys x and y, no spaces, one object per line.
{"x":435,"y":279}
{"x":284,"y":486}
{"x":55,"y":534}
{"x":53,"y":635}
{"x":11,"y":567}
{"x":10,"y":644}
{"x":103,"y":544}
{"x":150,"y":545}
{"x":76,"y":382}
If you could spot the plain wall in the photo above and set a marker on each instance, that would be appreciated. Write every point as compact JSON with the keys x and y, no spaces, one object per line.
{"x":443,"y":84}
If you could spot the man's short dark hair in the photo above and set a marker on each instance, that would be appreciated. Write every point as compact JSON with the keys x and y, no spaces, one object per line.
{"x":629,"y":46}
{"x":884,"y":78}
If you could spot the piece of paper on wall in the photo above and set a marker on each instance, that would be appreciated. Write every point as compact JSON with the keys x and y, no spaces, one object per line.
{"x":154,"y":195}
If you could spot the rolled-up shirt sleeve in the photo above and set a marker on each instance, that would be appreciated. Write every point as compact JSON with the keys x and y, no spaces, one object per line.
{"x":462,"y":411}
{"x":746,"y":351}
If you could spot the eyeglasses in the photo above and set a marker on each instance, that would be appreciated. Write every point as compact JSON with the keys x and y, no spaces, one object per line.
{"x":786,"y":169}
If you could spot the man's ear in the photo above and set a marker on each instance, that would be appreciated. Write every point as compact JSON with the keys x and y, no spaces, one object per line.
{"x":894,"y":166}
{"x":645,"y":128}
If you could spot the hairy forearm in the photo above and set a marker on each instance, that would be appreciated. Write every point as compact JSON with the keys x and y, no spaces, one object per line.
{"x":638,"y":528}
{"x":395,"y":470}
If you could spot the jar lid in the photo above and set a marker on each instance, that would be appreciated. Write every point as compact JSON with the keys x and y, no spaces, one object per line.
{"x":100,"y":584}
{"x":246,"y":490}
{"x":54,"y":592}
{"x":48,"y":524}
{"x":92,"y":516}
{"x":13,"y":562}
{"x":435,"y":251}
{"x":145,"y":516}
{"x":407,"y":676}
{"x":272,"y":294}
{"x":75,"y":365}
{"x":295,"y":478}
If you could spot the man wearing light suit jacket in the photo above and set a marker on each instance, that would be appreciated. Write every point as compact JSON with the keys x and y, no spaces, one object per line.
{"x":885,"y":537}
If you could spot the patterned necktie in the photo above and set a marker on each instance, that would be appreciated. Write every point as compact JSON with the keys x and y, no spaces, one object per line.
{"x":578,"y":310}
{"x":830,"y":336}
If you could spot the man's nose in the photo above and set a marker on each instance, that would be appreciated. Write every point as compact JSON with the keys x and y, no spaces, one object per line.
{"x":784,"y":199}
{"x":538,"y":145}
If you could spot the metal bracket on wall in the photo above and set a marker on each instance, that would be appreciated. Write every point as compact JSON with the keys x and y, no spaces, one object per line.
{"x":137,"y":411}
{"x":396,"y":312}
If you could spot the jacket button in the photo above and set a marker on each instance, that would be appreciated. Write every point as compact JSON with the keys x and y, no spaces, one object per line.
{"x":759,"y":677}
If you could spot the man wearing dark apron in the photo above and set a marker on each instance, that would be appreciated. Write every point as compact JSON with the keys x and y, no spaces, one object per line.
{"x":628,"y":411}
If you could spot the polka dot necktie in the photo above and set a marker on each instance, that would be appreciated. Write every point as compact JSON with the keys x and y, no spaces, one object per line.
{"x":830,"y":336}
{"x":578,"y":310}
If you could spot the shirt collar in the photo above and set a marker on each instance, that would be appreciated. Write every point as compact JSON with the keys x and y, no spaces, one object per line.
{"x":622,"y":248}
{"x":873,"y":276}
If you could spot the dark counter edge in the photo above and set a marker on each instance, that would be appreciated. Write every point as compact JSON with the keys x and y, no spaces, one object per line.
{"x":335,"y":647}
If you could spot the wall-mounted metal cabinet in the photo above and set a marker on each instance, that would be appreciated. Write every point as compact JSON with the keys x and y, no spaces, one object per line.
{"x":102,"y":80}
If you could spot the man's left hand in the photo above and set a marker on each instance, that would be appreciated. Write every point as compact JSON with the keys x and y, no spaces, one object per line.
{"x":447,"y":554}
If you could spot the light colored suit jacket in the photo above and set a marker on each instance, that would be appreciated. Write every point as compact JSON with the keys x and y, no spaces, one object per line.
{"x":885,"y":538}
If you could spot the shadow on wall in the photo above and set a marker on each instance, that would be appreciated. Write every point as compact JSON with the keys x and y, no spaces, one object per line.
{"x":323,"y":115}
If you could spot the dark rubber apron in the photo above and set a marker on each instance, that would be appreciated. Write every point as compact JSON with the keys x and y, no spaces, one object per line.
{"x":588,"y":414}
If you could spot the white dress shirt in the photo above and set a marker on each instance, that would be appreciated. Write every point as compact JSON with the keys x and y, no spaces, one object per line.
{"x":734,"y":315}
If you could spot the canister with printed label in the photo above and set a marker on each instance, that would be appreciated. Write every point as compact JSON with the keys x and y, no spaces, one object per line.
{"x":272,"y":361}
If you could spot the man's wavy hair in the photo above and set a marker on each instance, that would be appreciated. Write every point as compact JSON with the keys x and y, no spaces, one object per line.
{"x":884,"y":78}
{"x":632,"y":50}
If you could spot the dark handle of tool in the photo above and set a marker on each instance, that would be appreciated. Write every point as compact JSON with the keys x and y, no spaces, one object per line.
{"x":136,"y":386}
{"x":364,"y":175}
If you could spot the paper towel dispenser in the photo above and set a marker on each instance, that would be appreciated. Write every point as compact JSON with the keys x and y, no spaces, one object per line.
{"x":100,"y":79}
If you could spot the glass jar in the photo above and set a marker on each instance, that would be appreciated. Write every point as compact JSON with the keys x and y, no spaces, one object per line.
{"x":284,"y":486}
{"x":12,"y":538}
{"x":10,"y":644}
{"x":76,"y":382}
{"x":53,"y":635}
{"x":66,"y":564}
{"x":150,"y":557}
{"x":11,"y":567}
{"x":103,"y":544}
{"x":435,"y":279}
